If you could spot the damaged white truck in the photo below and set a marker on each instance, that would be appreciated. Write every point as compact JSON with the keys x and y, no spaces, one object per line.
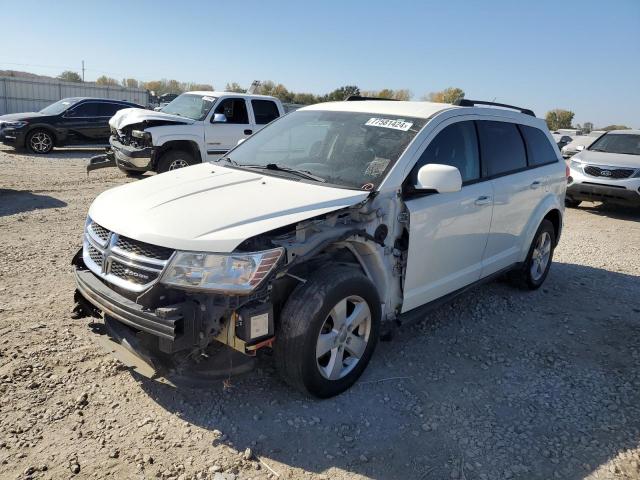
{"x":193,"y":128}
{"x":330,"y":224}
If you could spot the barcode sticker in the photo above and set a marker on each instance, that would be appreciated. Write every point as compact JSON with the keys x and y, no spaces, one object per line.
{"x":388,"y":123}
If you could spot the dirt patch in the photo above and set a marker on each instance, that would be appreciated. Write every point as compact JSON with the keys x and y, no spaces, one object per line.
{"x":501,"y":383}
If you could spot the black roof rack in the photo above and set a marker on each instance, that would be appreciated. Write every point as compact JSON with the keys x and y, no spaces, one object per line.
{"x":358,"y":98}
{"x":465,"y":102}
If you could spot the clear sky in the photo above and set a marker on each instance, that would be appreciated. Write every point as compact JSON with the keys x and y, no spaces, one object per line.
{"x":544,"y":54}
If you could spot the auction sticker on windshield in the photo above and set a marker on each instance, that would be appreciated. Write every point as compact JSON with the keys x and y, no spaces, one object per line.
{"x":388,"y":123}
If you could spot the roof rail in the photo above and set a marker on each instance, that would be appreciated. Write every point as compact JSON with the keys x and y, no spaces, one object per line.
{"x":465,"y":102}
{"x":358,"y":98}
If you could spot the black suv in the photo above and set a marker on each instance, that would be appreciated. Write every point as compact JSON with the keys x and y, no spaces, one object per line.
{"x":71,"y":121}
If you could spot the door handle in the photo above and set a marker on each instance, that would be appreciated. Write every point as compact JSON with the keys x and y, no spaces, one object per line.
{"x":535,"y":185}
{"x":248,"y":132}
{"x":483,"y":200}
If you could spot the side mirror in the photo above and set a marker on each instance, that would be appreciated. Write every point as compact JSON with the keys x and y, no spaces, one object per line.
{"x":219,"y":118}
{"x":441,"y":178}
{"x":240,"y":141}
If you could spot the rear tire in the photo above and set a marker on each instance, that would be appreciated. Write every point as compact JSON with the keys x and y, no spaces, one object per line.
{"x":536,"y":267}
{"x":328,"y":331}
{"x":40,"y":141}
{"x":571,"y":203}
{"x":175,"y":159}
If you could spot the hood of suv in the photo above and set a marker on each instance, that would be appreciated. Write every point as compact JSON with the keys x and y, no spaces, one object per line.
{"x":131,"y":116}
{"x":608,"y":159}
{"x":212,"y":208}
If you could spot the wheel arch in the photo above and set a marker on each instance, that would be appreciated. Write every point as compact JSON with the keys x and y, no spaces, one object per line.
{"x":548,"y":209}
{"x":43,"y":126}
{"x":189,"y":146}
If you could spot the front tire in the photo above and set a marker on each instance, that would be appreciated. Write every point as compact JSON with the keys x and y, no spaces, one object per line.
{"x":40,"y":141}
{"x":536,"y":267}
{"x":328,"y":331}
{"x":175,"y":159}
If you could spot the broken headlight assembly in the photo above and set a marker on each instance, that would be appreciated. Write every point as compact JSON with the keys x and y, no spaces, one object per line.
{"x":234,"y":273}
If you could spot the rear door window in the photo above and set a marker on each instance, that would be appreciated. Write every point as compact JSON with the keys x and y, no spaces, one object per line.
{"x":502,"y":148}
{"x":86,"y":109}
{"x":539,"y":149}
{"x":265,"y":111}
{"x":106,"y":109}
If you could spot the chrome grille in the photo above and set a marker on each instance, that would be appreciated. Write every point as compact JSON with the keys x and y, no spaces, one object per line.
{"x":122,"y":261}
{"x":99,"y":233}
{"x":95,"y":255}
{"x":608,"y":172}
{"x":144,"y":249}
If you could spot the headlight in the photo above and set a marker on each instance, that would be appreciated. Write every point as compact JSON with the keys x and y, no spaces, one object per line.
{"x":576,"y":165}
{"x":17,"y":124}
{"x":237,"y":273}
{"x":141,"y":134}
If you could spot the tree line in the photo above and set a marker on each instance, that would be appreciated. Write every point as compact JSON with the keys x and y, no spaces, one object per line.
{"x":556,"y":119}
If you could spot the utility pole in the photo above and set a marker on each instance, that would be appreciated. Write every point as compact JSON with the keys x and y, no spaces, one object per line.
{"x":82,"y":71}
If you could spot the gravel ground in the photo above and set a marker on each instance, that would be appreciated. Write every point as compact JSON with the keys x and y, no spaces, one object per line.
{"x":500,"y":383}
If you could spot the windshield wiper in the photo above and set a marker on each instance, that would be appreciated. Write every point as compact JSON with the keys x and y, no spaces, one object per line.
{"x":301,"y":173}
{"x":274,"y":166}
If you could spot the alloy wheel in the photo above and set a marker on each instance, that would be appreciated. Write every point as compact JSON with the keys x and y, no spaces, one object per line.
{"x":178,"y":163}
{"x":41,"y":142}
{"x":540,"y":256}
{"x":343,"y":338}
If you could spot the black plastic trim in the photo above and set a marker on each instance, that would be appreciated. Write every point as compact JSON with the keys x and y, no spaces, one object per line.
{"x":465,"y":102}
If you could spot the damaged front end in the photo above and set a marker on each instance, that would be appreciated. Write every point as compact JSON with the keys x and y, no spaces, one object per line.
{"x":132,"y":147}
{"x":163,"y":318}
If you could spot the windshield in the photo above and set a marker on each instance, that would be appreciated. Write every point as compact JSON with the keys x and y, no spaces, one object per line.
{"x":348,"y":149}
{"x":189,"y":105}
{"x":59,"y":107}
{"x":625,"y":143}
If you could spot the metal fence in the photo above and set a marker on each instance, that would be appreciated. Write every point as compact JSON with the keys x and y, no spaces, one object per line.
{"x":31,"y":95}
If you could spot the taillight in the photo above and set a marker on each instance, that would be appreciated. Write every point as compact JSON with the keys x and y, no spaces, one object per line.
{"x":567,"y":171}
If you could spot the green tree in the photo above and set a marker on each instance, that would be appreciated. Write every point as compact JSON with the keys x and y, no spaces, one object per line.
{"x":401,"y":94}
{"x":559,"y":118}
{"x":306,"y":98}
{"x":234,"y":87}
{"x":341,"y":93}
{"x":198,"y":86}
{"x":70,"y":76}
{"x":448,"y":95}
{"x":614,"y":127}
{"x":104,"y":80}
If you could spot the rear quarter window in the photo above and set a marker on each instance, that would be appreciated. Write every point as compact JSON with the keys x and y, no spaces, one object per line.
{"x":265,"y":111}
{"x":539,"y":149}
{"x":501,"y":146}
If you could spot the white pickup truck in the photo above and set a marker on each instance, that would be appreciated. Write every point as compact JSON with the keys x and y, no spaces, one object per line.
{"x":193,"y":128}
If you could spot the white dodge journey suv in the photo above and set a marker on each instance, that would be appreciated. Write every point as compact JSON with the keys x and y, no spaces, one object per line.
{"x":312,"y":234}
